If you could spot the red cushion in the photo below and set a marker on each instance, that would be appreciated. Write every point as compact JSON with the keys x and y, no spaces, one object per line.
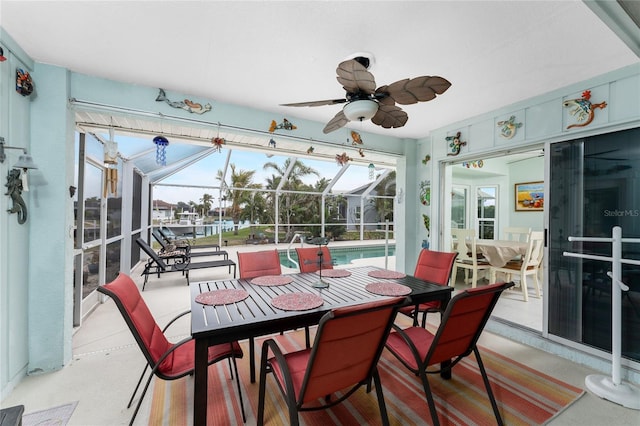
{"x":259,"y":263}
{"x":308,"y":259}
{"x":430,"y":306}
{"x":297,"y":364}
{"x":421,"y":337}
{"x":346,"y":346}
{"x":434,"y":266}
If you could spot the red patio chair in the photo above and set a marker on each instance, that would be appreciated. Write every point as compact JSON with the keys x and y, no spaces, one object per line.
{"x":310,"y":261}
{"x":256,"y":264}
{"x":435,"y":267}
{"x":344,"y":357}
{"x":259,"y":263}
{"x":462,"y":323}
{"x":168,"y":361}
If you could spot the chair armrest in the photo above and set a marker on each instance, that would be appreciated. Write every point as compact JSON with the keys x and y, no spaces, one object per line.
{"x":174,"y":319}
{"x":169,"y":352}
{"x":282,"y":363}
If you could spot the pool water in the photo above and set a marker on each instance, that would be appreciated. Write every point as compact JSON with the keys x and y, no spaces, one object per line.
{"x":342,"y":255}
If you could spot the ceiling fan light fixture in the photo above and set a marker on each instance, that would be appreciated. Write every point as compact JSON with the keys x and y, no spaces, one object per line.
{"x":360,"y":110}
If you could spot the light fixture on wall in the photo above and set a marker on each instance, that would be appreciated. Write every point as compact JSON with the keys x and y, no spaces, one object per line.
{"x":3,"y":156}
{"x":25,"y":162}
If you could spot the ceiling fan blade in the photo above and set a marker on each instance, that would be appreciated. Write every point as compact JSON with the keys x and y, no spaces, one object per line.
{"x":382,"y":96}
{"x":389,"y":116}
{"x":336,"y":122}
{"x":316,"y":103}
{"x":354,"y":77}
{"x":419,"y":89}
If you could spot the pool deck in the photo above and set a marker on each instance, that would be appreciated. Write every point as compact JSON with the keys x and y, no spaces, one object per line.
{"x":376,"y":261}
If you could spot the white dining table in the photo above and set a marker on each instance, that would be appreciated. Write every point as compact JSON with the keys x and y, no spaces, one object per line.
{"x":499,"y":252}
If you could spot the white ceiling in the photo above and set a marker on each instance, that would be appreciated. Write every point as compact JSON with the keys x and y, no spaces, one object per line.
{"x":265,"y":53}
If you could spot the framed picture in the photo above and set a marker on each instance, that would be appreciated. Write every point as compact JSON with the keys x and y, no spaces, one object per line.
{"x":529,"y":196}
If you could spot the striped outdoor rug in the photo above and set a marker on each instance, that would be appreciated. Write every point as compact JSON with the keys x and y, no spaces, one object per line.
{"x":525,"y":396}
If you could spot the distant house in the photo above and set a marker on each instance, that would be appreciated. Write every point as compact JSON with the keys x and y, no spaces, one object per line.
{"x":162,"y":211}
{"x":217,"y":210}
{"x":354,"y":209}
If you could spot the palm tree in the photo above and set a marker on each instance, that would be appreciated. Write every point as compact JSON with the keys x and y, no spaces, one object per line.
{"x":293,"y":182}
{"x":238,"y":197}
{"x":294,"y":179}
{"x":207,"y":201}
{"x":255,"y":208}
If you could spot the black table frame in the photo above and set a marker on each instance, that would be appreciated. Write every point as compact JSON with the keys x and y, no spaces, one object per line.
{"x":254,"y":316}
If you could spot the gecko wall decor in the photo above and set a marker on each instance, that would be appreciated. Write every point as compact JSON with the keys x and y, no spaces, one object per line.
{"x":509,"y":127}
{"x":583,"y":109}
{"x":455,"y":143}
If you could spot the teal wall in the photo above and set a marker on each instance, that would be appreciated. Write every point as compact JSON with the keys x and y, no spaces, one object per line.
{"x":51,"y":236}
{"x":14,"y":238}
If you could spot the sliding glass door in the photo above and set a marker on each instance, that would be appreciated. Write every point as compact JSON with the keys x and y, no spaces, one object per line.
{"x":594,"y":185}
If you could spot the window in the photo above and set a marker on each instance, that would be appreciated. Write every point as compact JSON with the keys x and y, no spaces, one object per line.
{"x":92,"y":208}
{"x":459,"y":207}
{"x":486,"y":201}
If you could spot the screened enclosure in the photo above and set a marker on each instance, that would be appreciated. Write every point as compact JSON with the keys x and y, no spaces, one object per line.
{"x":214,"y":185}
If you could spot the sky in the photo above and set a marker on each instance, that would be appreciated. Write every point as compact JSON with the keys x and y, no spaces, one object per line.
{"x":204,"y":172}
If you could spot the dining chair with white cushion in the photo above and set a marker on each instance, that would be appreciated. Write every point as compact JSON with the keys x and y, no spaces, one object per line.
{"x":517,"y":233}
{"x":465,"y":246}
{"x":529,"y":265}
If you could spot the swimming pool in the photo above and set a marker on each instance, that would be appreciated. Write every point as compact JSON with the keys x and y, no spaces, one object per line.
{"x":342,"y":255}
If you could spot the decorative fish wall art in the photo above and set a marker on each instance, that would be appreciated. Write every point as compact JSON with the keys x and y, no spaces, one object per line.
{"x":186,"y":105}
{"x":286,"y":125}
{"x":357,"y":140}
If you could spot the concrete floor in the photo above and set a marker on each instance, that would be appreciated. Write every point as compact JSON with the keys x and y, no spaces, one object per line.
{"x":106,"y":362}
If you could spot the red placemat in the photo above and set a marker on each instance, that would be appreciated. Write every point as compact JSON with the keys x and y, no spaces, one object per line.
{"x":334,"y":273}
{"x":222,"y":297}
{"x":296,"y":301}
{"x":385,"y":273}
{"x":388,"y":289}
{"x":269,"y":280}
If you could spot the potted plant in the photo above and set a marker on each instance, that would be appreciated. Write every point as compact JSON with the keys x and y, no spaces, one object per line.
{"x":427,"y":224}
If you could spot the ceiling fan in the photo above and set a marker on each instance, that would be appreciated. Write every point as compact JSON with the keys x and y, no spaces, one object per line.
{"x":364,"y":101}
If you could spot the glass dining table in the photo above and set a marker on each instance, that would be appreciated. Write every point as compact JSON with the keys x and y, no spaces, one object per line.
{"x":258,"y":307}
